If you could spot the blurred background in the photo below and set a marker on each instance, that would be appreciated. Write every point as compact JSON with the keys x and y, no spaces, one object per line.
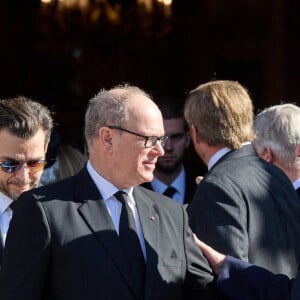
{"x":62,"y":52}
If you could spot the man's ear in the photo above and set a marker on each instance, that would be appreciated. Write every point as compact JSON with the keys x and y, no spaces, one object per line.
{"x":105,"y":137}
{"x":267,"y":155}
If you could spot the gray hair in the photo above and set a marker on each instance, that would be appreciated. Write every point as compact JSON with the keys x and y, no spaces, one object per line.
{"x":109,"y":107}
{"x":278,"y":128}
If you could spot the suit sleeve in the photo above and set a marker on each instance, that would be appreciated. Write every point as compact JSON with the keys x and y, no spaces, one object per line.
{"x":241,"y":280}
{"x":26,"y":252}
{"x":219,"y":218}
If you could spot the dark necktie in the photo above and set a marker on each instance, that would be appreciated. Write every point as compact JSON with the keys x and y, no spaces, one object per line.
{"x":170,"y":191}
{"x":131,"y":244}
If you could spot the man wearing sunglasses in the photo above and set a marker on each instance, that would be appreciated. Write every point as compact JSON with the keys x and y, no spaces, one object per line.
{"x":25,"y":128}
{"x":99,"y":234}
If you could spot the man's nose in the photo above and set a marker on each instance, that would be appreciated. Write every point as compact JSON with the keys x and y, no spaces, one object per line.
{"x":23,"y":172}
{"x":159,"y":148}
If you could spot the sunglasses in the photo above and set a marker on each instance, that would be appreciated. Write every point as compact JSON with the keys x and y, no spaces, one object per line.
{"x":10,"y":166}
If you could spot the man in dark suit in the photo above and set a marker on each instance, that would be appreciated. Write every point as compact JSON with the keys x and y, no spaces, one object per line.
{"x":237,"y":279}
{"x":172,"y":177}
{"x":277,"y":140}
{"x":73,"y":244}
{"x":244,"y":206}
{"x":25,"y":127}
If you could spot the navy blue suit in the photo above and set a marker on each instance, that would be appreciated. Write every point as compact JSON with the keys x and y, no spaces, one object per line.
{"x":247,"y":208}
{"x":241,"y":280}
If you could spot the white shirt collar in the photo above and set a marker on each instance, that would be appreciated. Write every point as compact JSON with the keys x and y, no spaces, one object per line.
{"x":5,"y":202}
{"x":219,"y":154}
{"x":296,"y":183}
{"x":105,"y":187}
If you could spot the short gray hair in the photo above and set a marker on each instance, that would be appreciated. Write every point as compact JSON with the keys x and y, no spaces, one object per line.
{"x":278,"y":128}
{"x":109,"y":107}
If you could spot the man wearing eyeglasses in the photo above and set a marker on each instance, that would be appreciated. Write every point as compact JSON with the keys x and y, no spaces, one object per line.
{"x":99,"y":234}
{"x":25,"y":128}
{"x":172,"y":176}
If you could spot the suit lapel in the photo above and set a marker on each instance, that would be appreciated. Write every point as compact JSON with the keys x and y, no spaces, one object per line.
{"x":150,"y":225}
{"x":95,"y":214}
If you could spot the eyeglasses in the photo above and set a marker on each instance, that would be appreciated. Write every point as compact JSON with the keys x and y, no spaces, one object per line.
{"x":10,"y":166}
{"x":150,"y":141}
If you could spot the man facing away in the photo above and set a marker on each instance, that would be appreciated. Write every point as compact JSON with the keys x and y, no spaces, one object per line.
{"x":277,"y":139}
{"x":25,"y":127}
{"x":244,"y":206}
{"x":73,"y":245}
{"x":172,"y":177}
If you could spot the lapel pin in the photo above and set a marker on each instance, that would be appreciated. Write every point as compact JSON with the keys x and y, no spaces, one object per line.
{"x":152,"y":218}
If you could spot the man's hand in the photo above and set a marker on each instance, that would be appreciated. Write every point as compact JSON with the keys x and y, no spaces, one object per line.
{"x":215,"y":258}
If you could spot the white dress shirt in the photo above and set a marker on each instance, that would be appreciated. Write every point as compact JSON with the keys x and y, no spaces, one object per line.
{"x":178,"y":183}
{"x":296,"y":183}
{"x":114,"y":207}
{"x":5,"y":215}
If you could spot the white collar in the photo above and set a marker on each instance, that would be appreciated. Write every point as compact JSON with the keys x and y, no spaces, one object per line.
{"x":5,"y":202}
{"x":219,"y":154}
{"x":296,"y":183}
{"x":105,"y":187}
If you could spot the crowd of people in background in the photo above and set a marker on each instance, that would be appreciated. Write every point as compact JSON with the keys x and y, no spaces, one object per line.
{"x":127,"y":218}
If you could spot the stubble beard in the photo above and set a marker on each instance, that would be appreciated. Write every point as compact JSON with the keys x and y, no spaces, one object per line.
{"x":4,"y":188}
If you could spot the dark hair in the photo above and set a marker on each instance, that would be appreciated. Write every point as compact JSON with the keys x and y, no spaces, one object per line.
{"x":172,"y":110}
{"x":23,"y":117}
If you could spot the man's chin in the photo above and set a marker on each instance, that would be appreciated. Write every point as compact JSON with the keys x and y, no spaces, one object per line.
{"x":147,"y":177}
{"x":15,"y":194}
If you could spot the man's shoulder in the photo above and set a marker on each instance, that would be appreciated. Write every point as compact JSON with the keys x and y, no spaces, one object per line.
{"x":239,"y":162}
{"x":157,"y":199}
{"x":57,"y":190}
